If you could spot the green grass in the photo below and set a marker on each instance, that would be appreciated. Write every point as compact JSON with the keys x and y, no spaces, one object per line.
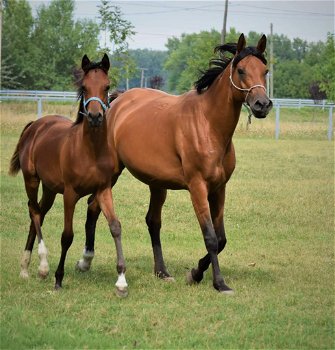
{"x":279,"y":259}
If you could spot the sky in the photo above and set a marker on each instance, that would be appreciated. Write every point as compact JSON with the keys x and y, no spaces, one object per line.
{"x":156,"y":21}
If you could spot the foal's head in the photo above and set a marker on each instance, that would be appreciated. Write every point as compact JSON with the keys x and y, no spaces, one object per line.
{"x":93,"y":91}
{"x":248,"y":76}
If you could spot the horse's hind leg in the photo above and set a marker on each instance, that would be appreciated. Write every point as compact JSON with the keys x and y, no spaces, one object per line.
{"x":37,"y":215}
{"x":154,"y":222}
{"x":93,"y":212}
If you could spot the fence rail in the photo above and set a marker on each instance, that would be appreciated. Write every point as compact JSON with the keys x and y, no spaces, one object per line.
{"x":71,"y":96}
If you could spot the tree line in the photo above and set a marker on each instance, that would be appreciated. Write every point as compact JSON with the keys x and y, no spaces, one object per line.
{"x":42,"y":52}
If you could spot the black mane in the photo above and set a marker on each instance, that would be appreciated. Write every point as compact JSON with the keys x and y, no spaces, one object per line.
{"x":218,"y":65}
{"x":79,"y":75}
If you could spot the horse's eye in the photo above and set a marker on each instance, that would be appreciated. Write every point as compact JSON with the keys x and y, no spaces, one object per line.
{"x":107,"y":88}
{"x":240,"y":71}
{"x":266,"y":72}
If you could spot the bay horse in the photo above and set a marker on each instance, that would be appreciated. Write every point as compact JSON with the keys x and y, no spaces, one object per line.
{"x":74,"y":159}
{"x":185,"y":142}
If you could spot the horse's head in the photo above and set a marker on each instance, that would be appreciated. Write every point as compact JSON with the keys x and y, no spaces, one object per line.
{"x":248,"y":76}
{"x":94,"y":90}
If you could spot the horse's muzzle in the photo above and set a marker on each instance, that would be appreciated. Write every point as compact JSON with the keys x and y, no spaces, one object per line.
{"x":261,"y":107}
{"x":95,"y":120}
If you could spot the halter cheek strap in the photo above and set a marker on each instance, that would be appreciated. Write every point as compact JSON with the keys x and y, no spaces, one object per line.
{"x":103,"y":105}
{"x":241,"y":89}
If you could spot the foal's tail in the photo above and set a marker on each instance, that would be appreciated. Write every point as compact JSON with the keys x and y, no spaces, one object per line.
{"x":15,"y":166}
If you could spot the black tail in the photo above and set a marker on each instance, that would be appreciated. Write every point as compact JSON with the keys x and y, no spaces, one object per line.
{"x":15,"y":166}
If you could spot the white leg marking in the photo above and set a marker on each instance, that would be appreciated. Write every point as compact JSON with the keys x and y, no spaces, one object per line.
{"x":43,"y":269}
{"x":121,"y":282}
{"x":84,"y":264}
{"x":25,"y":261}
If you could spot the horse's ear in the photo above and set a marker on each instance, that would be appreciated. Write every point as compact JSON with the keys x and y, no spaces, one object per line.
{"x":241,"y":43}
{"x":85,"y":62}
{"x":105,"y":63}
{"x":262,"y":44}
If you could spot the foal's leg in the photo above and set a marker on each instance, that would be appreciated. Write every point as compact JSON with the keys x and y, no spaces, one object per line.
{"x":154,"y":222}
{"x":37,"y":213}
{"x":105,"y":200}
{"x":216,"y":203}
{"x":70,"y":199}
{"x":93,"y":212}
{"x":199,"y":196}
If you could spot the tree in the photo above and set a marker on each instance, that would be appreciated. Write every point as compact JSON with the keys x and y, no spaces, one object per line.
{"x":119,"y":31}
{"x":16,"y":44}
{"x":326,"y":68}
{"x":59,"y":43}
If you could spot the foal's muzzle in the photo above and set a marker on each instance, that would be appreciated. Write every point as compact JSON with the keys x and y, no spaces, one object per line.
{"x":95,"y":120}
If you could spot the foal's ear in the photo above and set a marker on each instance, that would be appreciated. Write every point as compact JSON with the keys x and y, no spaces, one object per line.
{"x":105,"y":63}
{"x":262,"y":43}
{"x":85,"y":63}
{"x":241,"y":43}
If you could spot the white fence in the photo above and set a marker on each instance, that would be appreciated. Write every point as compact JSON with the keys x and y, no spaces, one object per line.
{"x":71,"y":96}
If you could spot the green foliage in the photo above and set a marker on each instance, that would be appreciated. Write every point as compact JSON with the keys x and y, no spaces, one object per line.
{"x":16,"y":48}
{"x":327,"y":68}
{"x":51,"y":46}
{"x":118,"y":31}
{"x":187,"y":57}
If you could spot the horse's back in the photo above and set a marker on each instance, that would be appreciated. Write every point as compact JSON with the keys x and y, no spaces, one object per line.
{"x":147,"y":128}
{"x":40,"y":145}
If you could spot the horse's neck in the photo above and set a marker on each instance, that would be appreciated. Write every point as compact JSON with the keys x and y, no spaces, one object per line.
{"x":220,"y":108}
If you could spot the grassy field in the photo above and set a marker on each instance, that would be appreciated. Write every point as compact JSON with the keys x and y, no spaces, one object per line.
{"x":279,"y":258}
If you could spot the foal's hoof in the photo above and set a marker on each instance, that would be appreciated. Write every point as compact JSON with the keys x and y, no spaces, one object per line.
{"x":24,"y":274}
{"x":81,"y":266}
{"x":227,"y":292}
{"x":189,"y":279}
{"x":169,"y":279}
{"x":58,"y":287}
{"x":43,"y":274}
{"x":224,"y":289}
{"x":121,"y":292}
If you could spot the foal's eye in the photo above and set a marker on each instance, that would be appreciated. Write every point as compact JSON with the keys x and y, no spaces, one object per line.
{"x":266,"y":72}
{"x":240,"y":71}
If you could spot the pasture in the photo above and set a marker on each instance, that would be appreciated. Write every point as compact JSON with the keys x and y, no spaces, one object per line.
{"x":279,"y":258}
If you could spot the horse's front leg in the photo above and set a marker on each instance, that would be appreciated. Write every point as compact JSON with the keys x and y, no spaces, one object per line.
{"x":70,"y":199}
{"x":199,"y":196}
{"x":93,"y":212}
{"x":105,"y":200}
{"x":216,"y":203}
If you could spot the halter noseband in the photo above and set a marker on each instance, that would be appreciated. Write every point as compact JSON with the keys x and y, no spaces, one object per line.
{"x":86,"y":102}
{"x":241,"y":89}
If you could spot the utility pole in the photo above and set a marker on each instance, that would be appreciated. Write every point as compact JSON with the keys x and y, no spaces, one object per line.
{"x":223,"y":32}
{"x":142,"y":76}
{"x":271,"y":60}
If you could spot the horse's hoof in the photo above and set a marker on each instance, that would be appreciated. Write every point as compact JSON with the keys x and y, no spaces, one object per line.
{"x":121,"y":292}
{"x":169,"y":279}
{"x":24,"y":274}
{"x":43,"y":274}
{"x":81,"y":266}
{"x":189,"y":278}
{"x":227,"y":292}
{"x":58,"y":287}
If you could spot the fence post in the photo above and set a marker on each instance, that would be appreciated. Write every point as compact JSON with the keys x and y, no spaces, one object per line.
{"x":330,"y":125}
{"x":277,"y":121}
{"x":39,"y":107}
